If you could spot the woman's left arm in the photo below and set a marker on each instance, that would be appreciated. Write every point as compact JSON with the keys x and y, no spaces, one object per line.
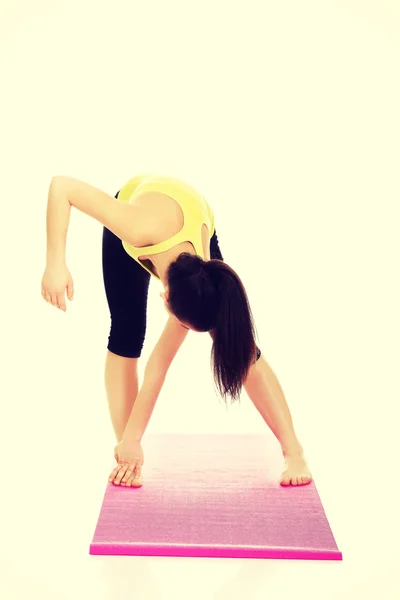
{"x":155,"y":373}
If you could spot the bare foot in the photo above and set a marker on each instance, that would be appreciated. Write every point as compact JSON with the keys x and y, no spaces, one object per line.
{"x":297,"y":471}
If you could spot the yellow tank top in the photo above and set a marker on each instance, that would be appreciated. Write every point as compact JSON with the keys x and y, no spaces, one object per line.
{"x":195,"y":208}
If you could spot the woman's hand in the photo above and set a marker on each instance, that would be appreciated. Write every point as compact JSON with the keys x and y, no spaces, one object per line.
{"x":129,"y":456}
{"x":56,"y":279}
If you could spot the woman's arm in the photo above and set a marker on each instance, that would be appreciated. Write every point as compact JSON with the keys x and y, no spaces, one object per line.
{"x":57,"y":222}
{"x":155,"y":373}
{"x":123,"y":219}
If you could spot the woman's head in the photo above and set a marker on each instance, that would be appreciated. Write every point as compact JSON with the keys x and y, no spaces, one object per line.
{"x":209,"y":296}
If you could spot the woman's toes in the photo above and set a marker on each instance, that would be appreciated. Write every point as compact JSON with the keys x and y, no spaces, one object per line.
{"x":287,"y":479}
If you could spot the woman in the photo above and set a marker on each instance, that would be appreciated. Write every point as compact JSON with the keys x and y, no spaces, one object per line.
{"x":161,"y":227}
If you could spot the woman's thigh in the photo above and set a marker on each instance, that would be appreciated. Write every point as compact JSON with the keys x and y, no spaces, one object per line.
{"x":126,"y":286}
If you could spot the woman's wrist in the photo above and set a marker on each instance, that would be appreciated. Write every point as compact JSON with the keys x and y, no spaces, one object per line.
{"x":131,"y":436}
{"x":55,"y":259}
{"x":132,"y":431}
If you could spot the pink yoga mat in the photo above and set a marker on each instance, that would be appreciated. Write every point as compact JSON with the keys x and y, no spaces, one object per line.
{"x":214,"y":496}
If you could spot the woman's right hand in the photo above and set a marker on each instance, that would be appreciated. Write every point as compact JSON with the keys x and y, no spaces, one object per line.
{"x":56,"y":279}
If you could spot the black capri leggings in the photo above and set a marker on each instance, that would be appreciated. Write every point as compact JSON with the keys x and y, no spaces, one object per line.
{"x":126,"y":285}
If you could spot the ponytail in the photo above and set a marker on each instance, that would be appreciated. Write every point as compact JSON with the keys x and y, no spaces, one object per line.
{"x":234,"y":349}
{"x":209,"y":296}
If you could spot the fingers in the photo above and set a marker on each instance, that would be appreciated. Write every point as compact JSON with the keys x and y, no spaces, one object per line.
{"x":135,"y":480}
{"x":53,"y":299}
{"x":70,"y":290}
{"x":61,"y":302}
{"x":114,"y":473}
{"x":121,"y":473}
{"x":126,"y":474}
{"x":57,"y":300}
{"x":118,"y":473}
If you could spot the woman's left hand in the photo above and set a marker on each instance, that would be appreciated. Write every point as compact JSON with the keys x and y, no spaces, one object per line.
{"x":129,"y":456}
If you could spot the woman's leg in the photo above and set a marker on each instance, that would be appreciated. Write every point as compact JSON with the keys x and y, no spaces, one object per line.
{"x":121,"y":382}
{"x":126,"y":285}
{"x":264,"y":390}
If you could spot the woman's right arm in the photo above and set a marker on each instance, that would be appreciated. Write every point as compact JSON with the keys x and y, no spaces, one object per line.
{"x":123,"y":219}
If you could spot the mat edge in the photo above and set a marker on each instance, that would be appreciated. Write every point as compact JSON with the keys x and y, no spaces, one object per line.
{"x":214,"y":552}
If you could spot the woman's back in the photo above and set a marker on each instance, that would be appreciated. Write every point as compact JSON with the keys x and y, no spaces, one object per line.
{"x":173,"y":214}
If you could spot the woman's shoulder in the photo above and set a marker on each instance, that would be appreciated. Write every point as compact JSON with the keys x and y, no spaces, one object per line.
{"x":160,"y":217}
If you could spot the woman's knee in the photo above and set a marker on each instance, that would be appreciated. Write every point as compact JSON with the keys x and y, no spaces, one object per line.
{"x":122,"y":349}
{"x":127,"y":336}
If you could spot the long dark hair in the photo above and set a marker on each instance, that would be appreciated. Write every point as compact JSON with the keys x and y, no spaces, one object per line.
{"x":209,"y":296}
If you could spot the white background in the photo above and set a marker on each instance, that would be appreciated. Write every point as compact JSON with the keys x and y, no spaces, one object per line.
{"x":285,"y":115}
